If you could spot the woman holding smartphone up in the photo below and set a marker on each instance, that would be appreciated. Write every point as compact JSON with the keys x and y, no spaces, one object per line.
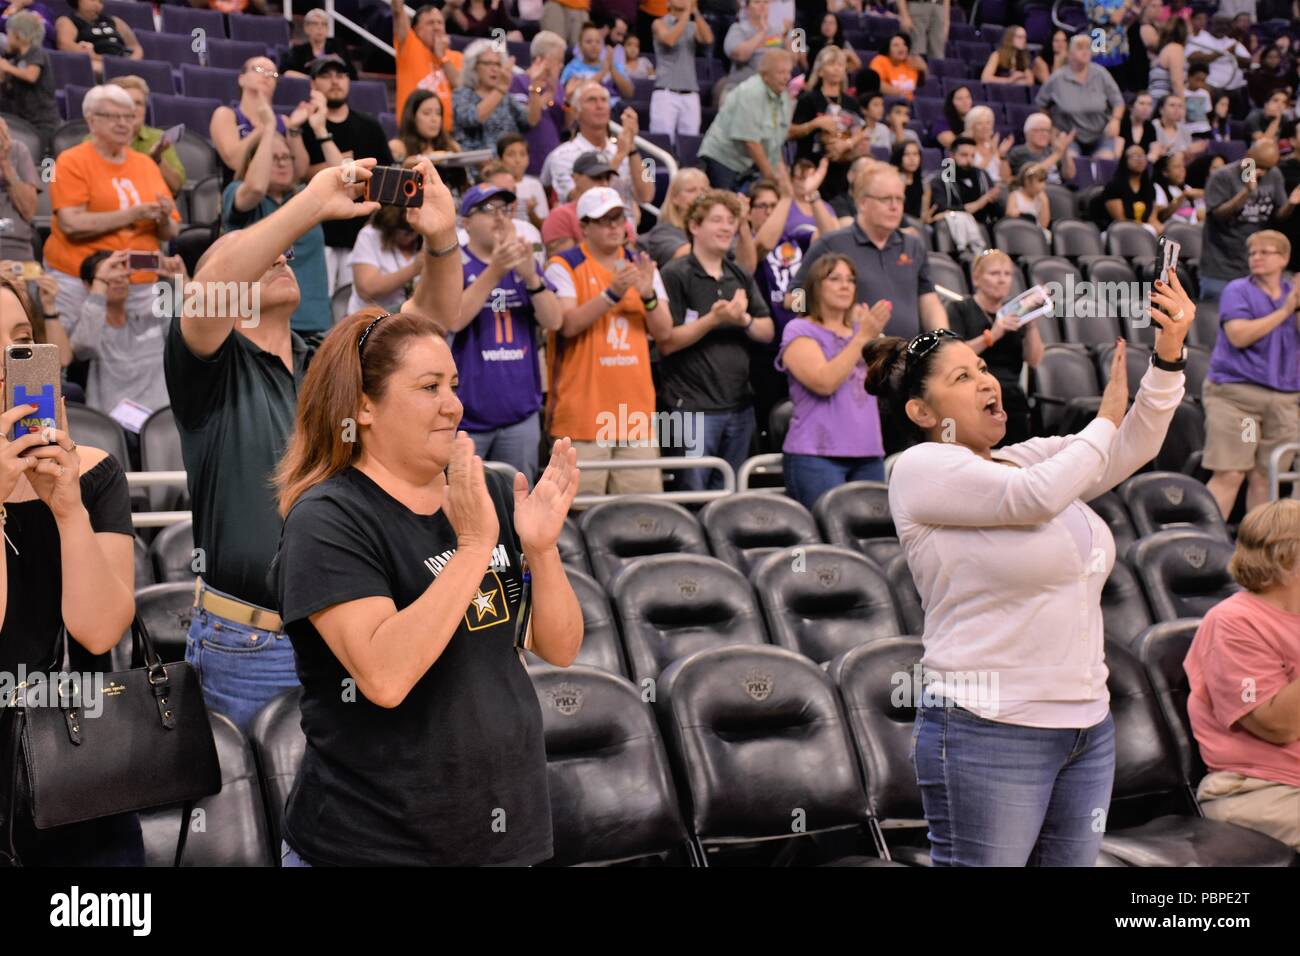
{"x":1017,"y":767}
{"x":66,"y":561}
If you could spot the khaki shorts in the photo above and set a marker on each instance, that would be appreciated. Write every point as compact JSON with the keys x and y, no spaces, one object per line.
{"x":634,"y":481}
{"x":1263,"y":805}
{"x":1244,"y":423}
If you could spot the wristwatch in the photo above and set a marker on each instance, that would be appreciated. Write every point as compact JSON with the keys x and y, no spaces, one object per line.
{"x":1178,"y":366}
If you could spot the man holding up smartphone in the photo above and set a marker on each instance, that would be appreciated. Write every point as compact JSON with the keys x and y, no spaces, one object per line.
{"x":234,"y":387}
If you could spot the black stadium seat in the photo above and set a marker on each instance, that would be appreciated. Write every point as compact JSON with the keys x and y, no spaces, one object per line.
{"x":1162,"y":648}
{"x":1020,"y":239}
{"x":89,"y":426}
{"x":856,"y":515}
{"x":759,"y":745}
{"x":1130,"y":240}
{"x":229,"y":828}
{"x":611,"y":793}
{"x":143,"y":564}
{"x":1163,"y":500}
{"x":672,"y":605}
{"x":601,"y":647}
{"x":822,"y":600}
{"x":278,"y":744}
{"x":573,"y":548}
{"x":778,"y":423}
{"x":619,"y":532}
{"x":945,"y":271}
{"x":165,"y":610}
{"x":173,"y":554}
{"x":743,"y":529}
{"x":1153,"y":818}
{"x":880,"y":720}
{"x":1073,"y":238}
{"x":906,"y":598}
{"x":1110,"y":508}
{"x":160,"y":450}
{"x":1065,"y":386}
{"x":1124,"y":610}
{"x":1184,"y":573}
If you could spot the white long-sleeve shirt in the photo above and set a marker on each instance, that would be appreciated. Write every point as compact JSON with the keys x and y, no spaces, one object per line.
{"x":1010,"y":562}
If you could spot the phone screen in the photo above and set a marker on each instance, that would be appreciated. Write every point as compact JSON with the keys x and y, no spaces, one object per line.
{"x":147,"y":261}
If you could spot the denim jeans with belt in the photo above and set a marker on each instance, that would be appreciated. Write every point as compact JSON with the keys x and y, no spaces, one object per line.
{"x":240,"y":668}
{"x":1005,"y":795}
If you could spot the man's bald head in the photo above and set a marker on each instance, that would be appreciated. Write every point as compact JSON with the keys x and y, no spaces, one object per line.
{"x":1265,"y":154}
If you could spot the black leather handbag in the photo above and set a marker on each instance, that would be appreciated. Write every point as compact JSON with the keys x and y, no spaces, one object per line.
{"x":150,"y":746}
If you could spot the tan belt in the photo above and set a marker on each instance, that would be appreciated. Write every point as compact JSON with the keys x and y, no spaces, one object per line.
{"x":233,"y":609}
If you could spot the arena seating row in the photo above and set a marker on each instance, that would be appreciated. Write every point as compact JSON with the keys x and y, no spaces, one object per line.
{"x":755,"y":755}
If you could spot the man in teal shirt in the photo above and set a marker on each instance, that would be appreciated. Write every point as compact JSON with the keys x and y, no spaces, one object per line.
{"x":746,"y":137}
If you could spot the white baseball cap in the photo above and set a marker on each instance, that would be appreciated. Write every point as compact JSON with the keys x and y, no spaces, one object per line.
{"x":596,"y":203}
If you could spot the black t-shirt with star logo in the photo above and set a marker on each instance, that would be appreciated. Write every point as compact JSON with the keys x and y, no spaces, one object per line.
{"x":455,"y":774}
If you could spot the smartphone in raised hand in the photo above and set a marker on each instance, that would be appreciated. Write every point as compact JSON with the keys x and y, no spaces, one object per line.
{"x":1167,"y":256}
{"x":395,"y":186}
{"x":32,"y":377}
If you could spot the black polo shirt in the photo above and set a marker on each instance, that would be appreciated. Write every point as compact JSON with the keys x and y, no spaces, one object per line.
{"x":897,"y":272}
{"x":713,"y":374}
{"x":359,"y":136}
{"x":235,"y":412}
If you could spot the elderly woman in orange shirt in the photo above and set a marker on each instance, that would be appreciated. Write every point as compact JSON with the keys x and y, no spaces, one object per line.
{"x":105,"y":195}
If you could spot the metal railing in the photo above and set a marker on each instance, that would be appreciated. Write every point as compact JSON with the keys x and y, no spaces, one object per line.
{"x":1276,"y":475}
{"x":662,"y":464}
{"x":759,"y":465}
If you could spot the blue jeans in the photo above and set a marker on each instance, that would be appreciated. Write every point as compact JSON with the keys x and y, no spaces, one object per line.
{"x":239,"y":667}
{"x":808,"y":476}
{"x":1005,"y":795}
{"x":1212,"y":288}
{"x":289,"y":856}
{"x":515,"y":444}
{"x":726,"y":435}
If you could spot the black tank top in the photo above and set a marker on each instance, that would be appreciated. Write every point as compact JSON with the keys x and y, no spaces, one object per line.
{"x":102,"y":35}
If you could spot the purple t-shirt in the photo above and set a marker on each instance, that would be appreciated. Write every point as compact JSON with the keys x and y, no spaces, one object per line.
{"x":500,"y":383}
{"x":845,"y":425}
{"x":1274,"y":360}
{"x":545,"y":136}
{"x":776,"y":272}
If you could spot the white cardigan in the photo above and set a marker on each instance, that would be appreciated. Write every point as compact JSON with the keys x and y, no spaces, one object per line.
{"x":1013,"y":626}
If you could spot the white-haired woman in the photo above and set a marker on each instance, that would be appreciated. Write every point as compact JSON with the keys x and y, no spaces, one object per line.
{"x":991,"y":153}
{"x":106,"y":195}
{"x":483,"y":109}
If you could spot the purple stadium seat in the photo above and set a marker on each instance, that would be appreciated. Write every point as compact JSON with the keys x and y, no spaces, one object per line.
{"x":290,"y":91}
{"x":940,"y":67}
{"x":881,"y":153}
{"x":880,"y":27}
{"x":1038,"y":24}
{"x":187,"y":19}
{"x":157,"y":74}
{"x":931,"y":159}
{"x":168,"y":48}
{"x":642,"y":89}
{"x":962,"y":31}
{"x":662,"y":140}
{"x":74,"y":68}
{"x":1017,"y":113}
{"x":688,"y":148}
{"x":928,"y":109}
{"x":210,"y":83}
{"x":850,"y":20}
{"x":271,"y":31}
{"x":73,"y":95}
{"x":1084,"y":175}
{"x":991,"y":33}
{"x":520,"y":51}
{"x":1007,"y":92}
{"x":233,"y":54}
{"x":194,"y":112}
{"x":1231,"y":151}
{"x":459,"y":42}
{"x":138,"y":16}
{"x":389,"y":122}
{"x":368,"y":96}
{"x":1103,"y":169}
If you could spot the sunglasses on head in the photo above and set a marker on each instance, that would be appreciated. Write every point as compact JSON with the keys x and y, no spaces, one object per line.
{"x":921,"y":346}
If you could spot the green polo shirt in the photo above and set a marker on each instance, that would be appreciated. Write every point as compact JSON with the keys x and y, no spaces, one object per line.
{"x":751,"y":113}
{"x":146,"y":140}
